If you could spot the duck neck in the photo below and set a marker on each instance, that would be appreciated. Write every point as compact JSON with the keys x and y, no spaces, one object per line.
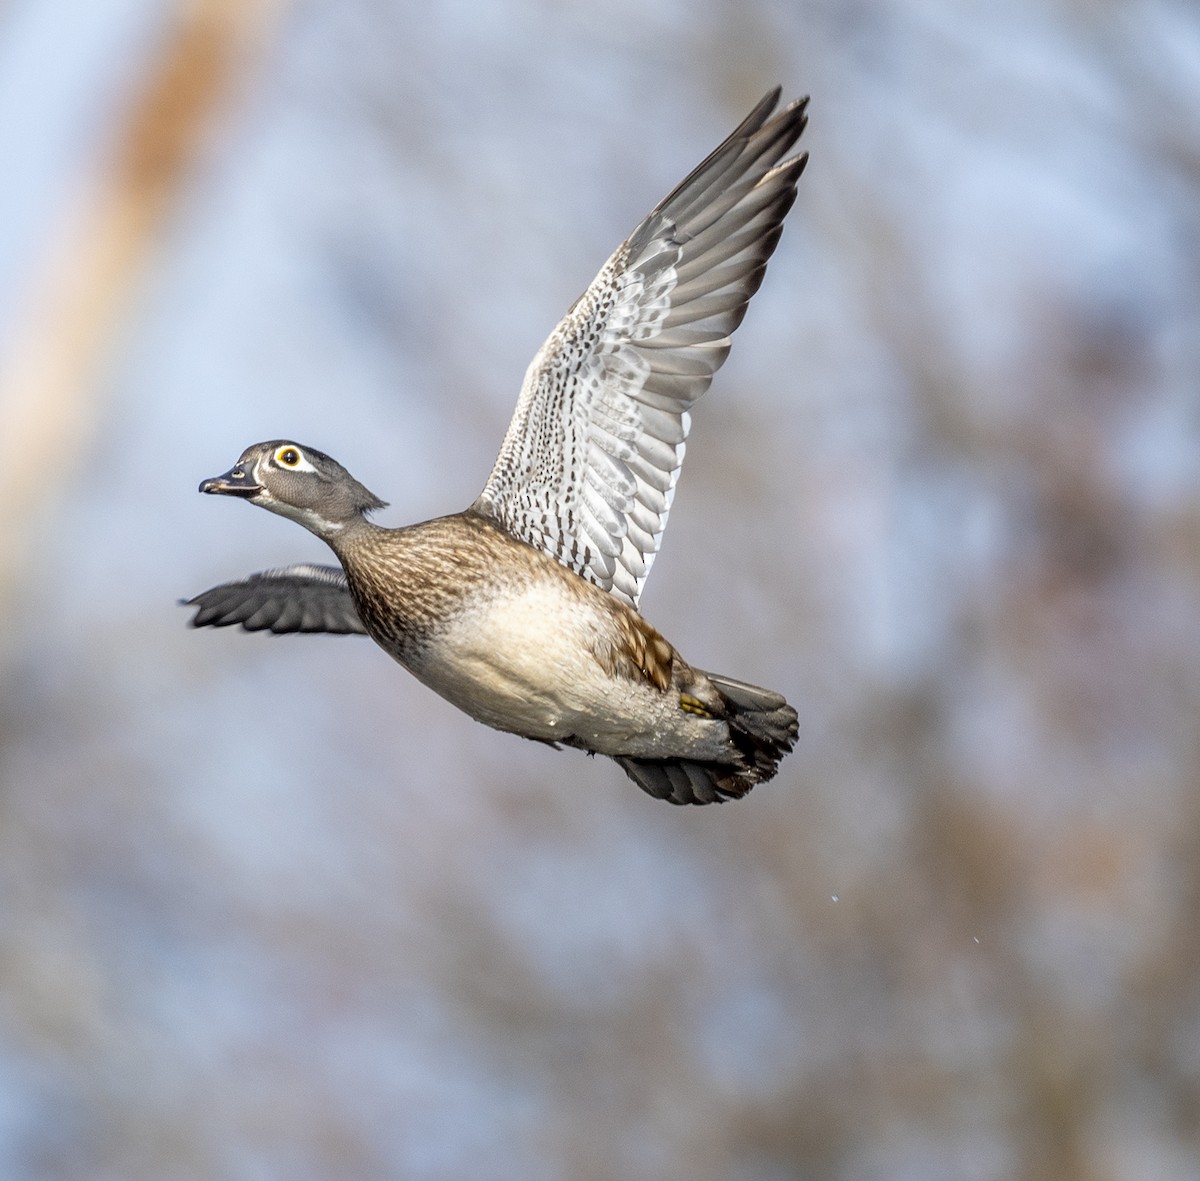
{"x":347,"y":536}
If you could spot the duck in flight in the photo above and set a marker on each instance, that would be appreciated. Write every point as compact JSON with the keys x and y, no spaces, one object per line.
{"x":522,"y":610}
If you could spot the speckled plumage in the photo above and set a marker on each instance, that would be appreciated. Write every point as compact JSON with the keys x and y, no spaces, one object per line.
{"x":522,"y":610}
{"x":588,"y":467}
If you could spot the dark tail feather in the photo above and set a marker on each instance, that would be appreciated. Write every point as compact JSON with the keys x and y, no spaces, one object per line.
{"x":762,"y":727}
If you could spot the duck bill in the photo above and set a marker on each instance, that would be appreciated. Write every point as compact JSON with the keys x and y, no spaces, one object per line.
{"x":235,"y":482}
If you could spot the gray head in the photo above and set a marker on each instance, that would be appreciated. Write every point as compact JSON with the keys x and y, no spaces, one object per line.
{"x":297,"y":482}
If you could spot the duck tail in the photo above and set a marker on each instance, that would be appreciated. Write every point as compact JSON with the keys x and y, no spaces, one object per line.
{"x":762,"y":729}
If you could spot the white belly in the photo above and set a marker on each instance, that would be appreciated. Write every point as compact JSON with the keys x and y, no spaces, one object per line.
{"x":525,"y":663}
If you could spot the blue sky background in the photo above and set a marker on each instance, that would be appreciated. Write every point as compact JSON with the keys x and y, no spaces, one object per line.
{"x":268,"y":908}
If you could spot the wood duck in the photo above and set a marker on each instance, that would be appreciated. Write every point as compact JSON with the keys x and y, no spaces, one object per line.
{"x":522,"y":610}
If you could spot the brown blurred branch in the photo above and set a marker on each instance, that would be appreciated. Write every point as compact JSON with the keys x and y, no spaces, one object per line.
{"x":80,"y":295}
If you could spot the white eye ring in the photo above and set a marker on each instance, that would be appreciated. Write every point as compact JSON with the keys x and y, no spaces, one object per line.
{"x":289,"y":457}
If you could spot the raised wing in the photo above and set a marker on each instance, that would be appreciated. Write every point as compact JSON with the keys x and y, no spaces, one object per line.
{"x":300,"y":598}
{"x":588,"y":467}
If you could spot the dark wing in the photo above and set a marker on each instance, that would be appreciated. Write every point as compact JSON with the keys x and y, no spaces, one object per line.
{"x":588,"y":467}
{"x":299,"y":598}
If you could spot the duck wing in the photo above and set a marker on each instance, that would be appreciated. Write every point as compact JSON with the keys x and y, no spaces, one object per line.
{"x":301,"y":598}
{"x":590,"y":461}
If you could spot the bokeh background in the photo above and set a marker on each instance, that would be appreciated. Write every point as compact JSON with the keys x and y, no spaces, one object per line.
{"x":269,"y":909}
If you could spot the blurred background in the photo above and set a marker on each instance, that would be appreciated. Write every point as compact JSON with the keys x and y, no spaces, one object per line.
{"x":270,"y":909}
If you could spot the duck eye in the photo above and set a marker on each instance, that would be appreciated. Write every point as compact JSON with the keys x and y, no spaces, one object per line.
{"x":288,"y":456}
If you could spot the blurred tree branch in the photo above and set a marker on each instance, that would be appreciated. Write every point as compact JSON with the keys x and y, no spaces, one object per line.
{"x":77,"y":300}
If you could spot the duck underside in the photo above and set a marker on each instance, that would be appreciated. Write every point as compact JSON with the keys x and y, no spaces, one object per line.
{"x":667,"y":749}
{"x":690,"y":738}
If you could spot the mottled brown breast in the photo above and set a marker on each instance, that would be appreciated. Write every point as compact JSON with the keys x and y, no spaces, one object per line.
{"x":408,"y":583}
